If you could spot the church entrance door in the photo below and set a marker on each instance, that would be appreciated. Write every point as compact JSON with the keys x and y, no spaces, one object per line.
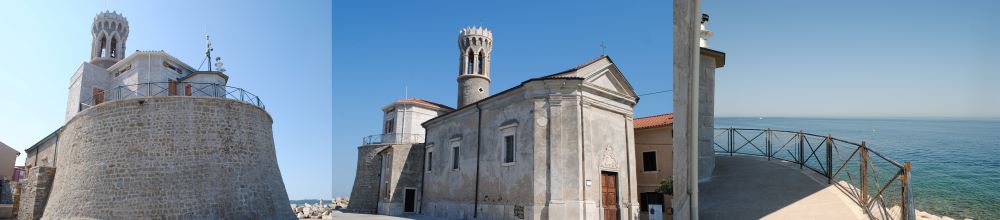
{"x":609,"y":195}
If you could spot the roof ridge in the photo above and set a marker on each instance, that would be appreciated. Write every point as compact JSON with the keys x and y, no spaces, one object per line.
{"x":655,"y":115}
{"x":577,"y":67}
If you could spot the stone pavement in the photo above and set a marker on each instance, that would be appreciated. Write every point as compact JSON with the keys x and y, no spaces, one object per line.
{"x":753,"y":188}
{"x":347,"y":215}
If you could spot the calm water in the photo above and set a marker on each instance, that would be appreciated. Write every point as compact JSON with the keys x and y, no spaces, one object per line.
{"x":955,"y":162}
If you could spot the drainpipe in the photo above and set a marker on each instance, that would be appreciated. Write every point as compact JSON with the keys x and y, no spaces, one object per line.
{"x":423,"y":172}
{"x":479,"y":138}
{"x":583,"y":158}
{"x":628,"y":166}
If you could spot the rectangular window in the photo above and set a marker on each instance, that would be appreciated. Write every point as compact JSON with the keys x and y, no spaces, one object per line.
{"x":649,"y":161}
{"x":508,"y":149}
{"x":430,"y":158}
{"x":454,"y":158}
{"x":389,"y":126}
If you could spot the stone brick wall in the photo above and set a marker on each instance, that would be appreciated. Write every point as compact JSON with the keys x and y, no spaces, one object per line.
{"x":168,"y":158}
{"x":35,"y":192}
{"x":364,"y":195}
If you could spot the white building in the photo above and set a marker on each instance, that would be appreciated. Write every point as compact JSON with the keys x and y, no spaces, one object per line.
{"x":110,"y":74}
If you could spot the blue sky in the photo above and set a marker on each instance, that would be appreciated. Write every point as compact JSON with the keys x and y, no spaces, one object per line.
{"x":279,"y":50}
{"x":857,"y":58}
{"x":380,"y":49}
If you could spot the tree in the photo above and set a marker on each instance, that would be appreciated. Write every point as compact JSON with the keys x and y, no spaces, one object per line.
{"x":666,"y":186}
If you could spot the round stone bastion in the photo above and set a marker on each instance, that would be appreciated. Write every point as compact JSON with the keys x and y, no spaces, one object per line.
{"x":169,"y":157}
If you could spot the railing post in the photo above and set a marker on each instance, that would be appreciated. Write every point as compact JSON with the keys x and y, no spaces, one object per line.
{"x":864,"y":175}
{"x":802,"y":159}
{"x":829,"y":158}
{"x":907,"y":210}
{"x":768,"y":144}
{"x":731,"y":130}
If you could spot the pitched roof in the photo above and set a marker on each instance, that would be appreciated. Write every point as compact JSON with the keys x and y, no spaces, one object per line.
{"x":561,"y":73}
{"x":422,"y":102}
{"x":653,"y":121}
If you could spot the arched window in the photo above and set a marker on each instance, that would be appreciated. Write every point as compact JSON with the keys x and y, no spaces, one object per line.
{"x":114,"y":47}
{"x":482,"y":59}
{"x":104,"y":44}
{"x":471,"y":64}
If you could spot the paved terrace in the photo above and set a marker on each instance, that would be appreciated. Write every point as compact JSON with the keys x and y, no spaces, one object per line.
{"x":744,"y":187}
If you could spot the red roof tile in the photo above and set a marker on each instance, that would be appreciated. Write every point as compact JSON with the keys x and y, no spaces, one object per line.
{"x":653,"y":121}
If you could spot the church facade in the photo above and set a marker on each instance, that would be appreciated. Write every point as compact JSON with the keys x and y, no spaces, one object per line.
{"x":554,"y":147}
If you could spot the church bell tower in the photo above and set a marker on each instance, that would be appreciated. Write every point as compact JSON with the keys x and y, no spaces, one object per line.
{"x":109,"y":31}
{"x":474,"y":46}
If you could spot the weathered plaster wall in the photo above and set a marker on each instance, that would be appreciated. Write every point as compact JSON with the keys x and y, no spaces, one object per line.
{"x":44,"y":154}
{"x":82,"y":84}
{"x":609,"y":147}
{"x":561,"y":143}
{"x":403,"y":172}
{"x":169,"y":157}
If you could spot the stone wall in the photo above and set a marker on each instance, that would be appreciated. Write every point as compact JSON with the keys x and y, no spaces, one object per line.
{"x":35,"y":192}
{"x":684,"y":44}
{"x":404,"y":173}
{"x":364,"y":195}
{"x":168,"y":157}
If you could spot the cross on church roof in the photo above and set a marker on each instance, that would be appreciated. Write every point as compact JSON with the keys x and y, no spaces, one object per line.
{"x":603,"y":48}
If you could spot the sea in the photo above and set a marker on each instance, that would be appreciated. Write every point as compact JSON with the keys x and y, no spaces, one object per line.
{"x":955,"y":162}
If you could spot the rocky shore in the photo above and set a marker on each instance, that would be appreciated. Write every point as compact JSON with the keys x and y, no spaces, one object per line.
{"x":319,"y":210}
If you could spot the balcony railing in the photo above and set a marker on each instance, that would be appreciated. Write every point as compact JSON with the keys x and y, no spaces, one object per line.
{"x":879,"y":185}
{"x":170,"y":89}
{"x":393,"y":138}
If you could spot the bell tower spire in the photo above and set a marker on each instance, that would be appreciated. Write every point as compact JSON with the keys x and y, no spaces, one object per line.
{"x":475,"y":44}
{"x":109,"y":31}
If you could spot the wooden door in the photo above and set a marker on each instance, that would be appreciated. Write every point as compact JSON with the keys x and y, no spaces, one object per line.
{"x":609,"y":195}
{"x":98,"y":96}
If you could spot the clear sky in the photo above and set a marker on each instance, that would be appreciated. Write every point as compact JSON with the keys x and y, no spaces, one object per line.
{"x":857,"y":58}
{"x":278,"y":50}
{"x":381,"y":48}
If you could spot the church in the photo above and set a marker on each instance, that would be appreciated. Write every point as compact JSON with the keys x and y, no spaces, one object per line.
{"x":559,"y":146}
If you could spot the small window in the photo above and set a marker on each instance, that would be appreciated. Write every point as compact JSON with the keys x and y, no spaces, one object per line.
{"x":454,"y":158}
{"x":508,"y":149}
{"x":430,"y":161}
{"x":508,"y":144}
{"x":649,"y":161}
{"x":389,"y":126}
{"x":454,"y":152}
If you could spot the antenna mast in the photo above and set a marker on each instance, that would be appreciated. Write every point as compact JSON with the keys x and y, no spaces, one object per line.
{"x":208,"y":51}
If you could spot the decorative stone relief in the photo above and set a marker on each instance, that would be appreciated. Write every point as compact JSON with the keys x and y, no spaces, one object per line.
{"x":610,"y":158}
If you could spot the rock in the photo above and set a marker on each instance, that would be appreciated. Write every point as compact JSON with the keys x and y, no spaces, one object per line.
{"x":301,"y":216}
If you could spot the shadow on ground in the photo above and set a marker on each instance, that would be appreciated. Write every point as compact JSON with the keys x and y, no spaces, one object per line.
{"x":753,"y":188}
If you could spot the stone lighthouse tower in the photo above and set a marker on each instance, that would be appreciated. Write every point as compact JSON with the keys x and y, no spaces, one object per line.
{"x":110,"y":31}
{"x":474,"y":46}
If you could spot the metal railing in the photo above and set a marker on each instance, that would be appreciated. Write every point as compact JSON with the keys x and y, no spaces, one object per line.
{"x":879,"y":185}
{"x":393,"y":138}
{"x":170,"y":89}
